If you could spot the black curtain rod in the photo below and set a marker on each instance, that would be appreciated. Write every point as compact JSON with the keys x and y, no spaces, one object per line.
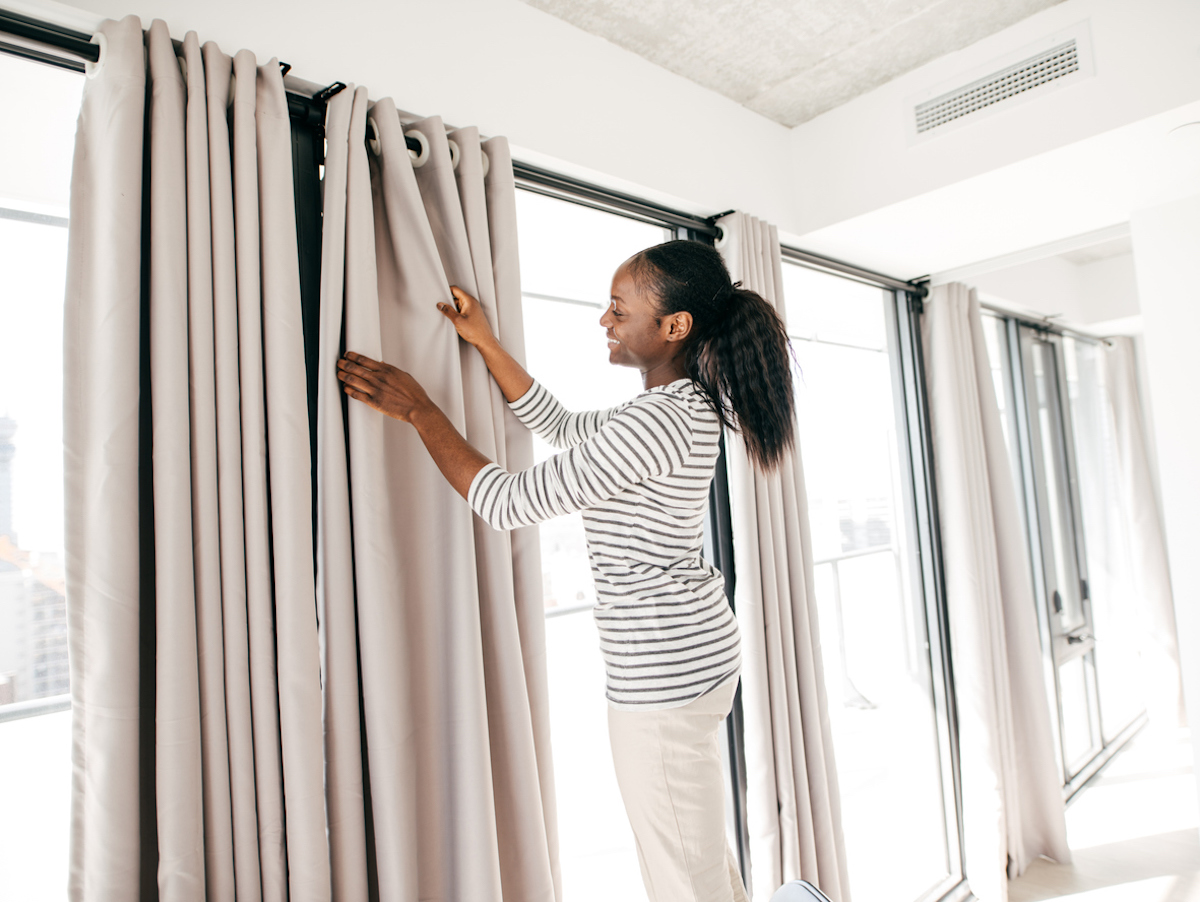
{"x":840,"y":267}
{"x":310,"y":112}
{"x":76,"y":42}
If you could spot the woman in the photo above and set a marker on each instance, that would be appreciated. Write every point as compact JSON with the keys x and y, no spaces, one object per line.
{"x":710,"y":354}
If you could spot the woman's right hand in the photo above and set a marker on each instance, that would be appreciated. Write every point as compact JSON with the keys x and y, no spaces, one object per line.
{"x":470,"y":322}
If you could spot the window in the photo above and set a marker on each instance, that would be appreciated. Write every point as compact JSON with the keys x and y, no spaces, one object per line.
{"x":1054,"y":404}
{"x":35,"y":172}
{"x":568,"y":254}
{"x":880,"y":662}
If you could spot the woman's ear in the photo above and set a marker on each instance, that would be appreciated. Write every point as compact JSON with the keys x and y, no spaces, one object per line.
{"x":679,"y":326}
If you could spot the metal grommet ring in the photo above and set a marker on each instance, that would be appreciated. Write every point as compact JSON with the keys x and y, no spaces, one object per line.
{"x":486,"y":163}
{"x":373,"y":136}
{"x":454,"y":153}
{"x":90,"y":69}
{"x":419,"y":158}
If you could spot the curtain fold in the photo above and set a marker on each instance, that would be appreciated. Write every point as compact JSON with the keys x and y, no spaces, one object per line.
{"x":201,"y":278}
{"x":1012,"y":799}
{"x":251,"y":723}
{"x":1160,"y":644}
{"x":793,"y":804}
{"x":450,"y":632}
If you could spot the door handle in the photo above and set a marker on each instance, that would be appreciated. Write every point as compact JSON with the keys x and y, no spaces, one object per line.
{"x":1057,"y":599}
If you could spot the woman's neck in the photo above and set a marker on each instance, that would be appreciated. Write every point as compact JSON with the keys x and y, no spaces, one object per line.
{"x":663,"y":374}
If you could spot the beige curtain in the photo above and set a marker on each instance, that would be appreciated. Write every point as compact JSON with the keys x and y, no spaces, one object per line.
{"x":793,"y":803}
{"x":196,"y":678}
{"x":450,"y":629}
{"x":1012,"y":799}
{"x":247,"y":727}
{"x":1139,"y":503}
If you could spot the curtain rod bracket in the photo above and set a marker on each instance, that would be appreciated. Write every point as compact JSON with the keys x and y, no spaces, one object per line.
{"x":284,"y":69}
{"x":336,"y":88}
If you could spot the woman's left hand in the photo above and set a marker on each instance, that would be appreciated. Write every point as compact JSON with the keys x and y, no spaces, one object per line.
{"x":382,"y":386}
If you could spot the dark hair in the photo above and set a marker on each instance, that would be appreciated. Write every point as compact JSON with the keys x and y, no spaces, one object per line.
{"x":738,"y":352}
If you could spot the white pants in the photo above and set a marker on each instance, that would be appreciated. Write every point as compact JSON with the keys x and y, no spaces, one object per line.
{"x":669,"y":769}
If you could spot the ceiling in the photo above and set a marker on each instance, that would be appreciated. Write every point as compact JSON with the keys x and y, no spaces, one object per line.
{"x":789,"y":60}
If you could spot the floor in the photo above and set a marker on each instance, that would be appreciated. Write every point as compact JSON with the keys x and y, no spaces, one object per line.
{"x":1134,"y":832}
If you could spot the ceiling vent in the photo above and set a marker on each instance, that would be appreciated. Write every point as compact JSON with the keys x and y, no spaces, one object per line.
{"x":1054,"y":61}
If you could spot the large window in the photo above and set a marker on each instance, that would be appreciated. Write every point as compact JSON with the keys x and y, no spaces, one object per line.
{"x":880,"y":663}
{"x":35,"y":734}
{"x":568,"y":254}
{"x":857,"y":403}
{"x":1057,"y":420}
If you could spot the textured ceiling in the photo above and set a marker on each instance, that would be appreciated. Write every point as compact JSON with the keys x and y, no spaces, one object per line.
{"x":791,"y":60}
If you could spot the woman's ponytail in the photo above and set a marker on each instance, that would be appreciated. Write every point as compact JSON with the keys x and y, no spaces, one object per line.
{"x":738,"y":354}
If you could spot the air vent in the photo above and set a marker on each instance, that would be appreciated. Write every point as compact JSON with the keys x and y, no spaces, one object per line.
{"x":1043,"y":68}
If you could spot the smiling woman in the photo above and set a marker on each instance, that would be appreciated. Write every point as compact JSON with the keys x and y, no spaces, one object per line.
{"x":709,"y":354}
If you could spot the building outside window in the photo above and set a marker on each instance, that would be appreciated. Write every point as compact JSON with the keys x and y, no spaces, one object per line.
{"x":35,"y":174}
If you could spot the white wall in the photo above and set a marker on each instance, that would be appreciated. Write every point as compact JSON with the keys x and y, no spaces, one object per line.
{"x":857,"y":158}
{"x":1166,"y":246}
{"x":1076,"y":294}
{"x":559,"y":94}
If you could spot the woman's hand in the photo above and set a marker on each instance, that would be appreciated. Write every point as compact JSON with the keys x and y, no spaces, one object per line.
{"x":470,"y":322}
{"x":382,"y":386}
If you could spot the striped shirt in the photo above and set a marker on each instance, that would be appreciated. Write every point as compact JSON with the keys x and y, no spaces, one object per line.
{"x":640,"y":473}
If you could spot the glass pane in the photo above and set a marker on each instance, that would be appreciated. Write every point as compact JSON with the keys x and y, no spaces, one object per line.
{"x":831,"y":309}
{"x":995,"y":336}
{"x":1106,"y":523}
{"x":35,"y":751}
{"x":871,"y":611}
{"x":1076,"y":716}
{"x":1057,"y":531}
{"x":568,"y":254}
{"x":34,"y":184}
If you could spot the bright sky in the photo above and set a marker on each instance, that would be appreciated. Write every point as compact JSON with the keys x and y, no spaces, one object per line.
{"x":41,"y":107}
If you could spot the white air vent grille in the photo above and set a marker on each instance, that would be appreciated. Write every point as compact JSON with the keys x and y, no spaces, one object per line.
{"x":991,"y":89}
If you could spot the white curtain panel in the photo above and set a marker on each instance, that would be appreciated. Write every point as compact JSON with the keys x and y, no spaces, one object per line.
{"x":450,"y":628}
{"x":247,"y":726}
{"x":793,"y":802}
{"x":1012,"y":800}
{"x":1160,"y":646}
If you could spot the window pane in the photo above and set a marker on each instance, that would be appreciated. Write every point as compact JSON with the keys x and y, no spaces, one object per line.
{"x":568,"y":254}
{"x":831,"y":309}
{"x":1111,"y":583}
{"x":870,"y":606}
{"x":35,"y":769}
{"x":1058,"y":534}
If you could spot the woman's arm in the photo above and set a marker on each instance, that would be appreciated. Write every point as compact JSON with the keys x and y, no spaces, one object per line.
{"x":397,"y":394}
{"x":472,"y":326}
{"x":538,"y":410}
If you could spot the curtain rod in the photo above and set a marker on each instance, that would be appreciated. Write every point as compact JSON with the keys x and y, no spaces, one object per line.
{"x":1042,"y":323}
{"x":310,"y":111}
{"x":840,"y":267}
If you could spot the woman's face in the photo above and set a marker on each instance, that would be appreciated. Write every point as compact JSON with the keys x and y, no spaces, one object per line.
{"x":637,"y":335}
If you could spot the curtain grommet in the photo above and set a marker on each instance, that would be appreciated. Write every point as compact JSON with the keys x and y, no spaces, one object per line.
{"x":455,"y":153}
{"x":419,"y":158}
{"x":90,"y":69}
{"x":373,"y":136}
{"x":486,"y":163}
